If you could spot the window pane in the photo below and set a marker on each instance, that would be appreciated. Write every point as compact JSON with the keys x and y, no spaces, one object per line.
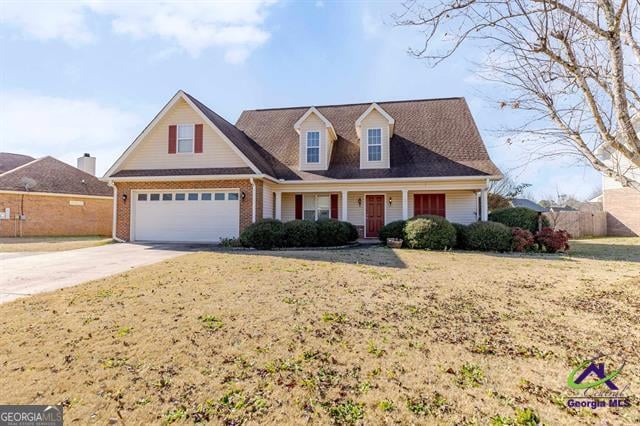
{"x":206,"y":196}
{"x":185,"y":131}
{"x":167,"y":197}
{"x":232,"y":196}
{"x":309,"y":202}
{"x":193,"y":196}
{"x":155,"y":197}
{"x":219,"y":196}
{"x":374,"y":136}
{"x":313,"y":155}
{"x":323,"y":214}
{"x":185,"y":145}
{"x":324,"y":202}
{"x":142,"y":197}
{"x":375,"y":153}
{"x":179,"y":197}
{"x":309,"y":215}
{"x":313,"y":139}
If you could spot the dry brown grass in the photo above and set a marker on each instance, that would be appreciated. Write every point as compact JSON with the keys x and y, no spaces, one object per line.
{"x":42,"y":244}
{"x":396,"y":336}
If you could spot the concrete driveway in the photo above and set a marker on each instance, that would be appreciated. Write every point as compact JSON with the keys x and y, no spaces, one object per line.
{"x":24,"y":274}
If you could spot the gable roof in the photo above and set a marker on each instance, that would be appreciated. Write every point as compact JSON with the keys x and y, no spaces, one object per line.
{"x":322,"y":118}
{"x":432,"y":138}
{"x":50,"y":175}
{"x":238,"y":141}
{"x":376,"y":107}
{"x":10,"y":161}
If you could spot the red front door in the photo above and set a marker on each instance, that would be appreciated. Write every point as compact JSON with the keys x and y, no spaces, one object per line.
{"x":374,"y":215}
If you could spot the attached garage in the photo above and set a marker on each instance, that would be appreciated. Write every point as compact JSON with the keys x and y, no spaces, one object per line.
{"x":185,"y":215}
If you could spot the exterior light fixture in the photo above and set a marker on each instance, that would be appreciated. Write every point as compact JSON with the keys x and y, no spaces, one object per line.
{"x":359,"y":202}
{"x":124,"y":198}
{"x":243,"y":195}
{"x":390,"y":198}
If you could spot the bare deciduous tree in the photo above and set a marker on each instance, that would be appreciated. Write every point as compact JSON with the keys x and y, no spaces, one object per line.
{"x":573,"y":65}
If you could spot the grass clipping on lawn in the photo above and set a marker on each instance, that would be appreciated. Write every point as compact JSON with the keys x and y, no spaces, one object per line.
{"x":355,"y":336}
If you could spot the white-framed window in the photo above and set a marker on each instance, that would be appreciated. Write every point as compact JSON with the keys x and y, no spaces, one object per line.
{"x":374,"y":144}
{"x":232,"y":196}
{"x":313,"y":147}
{"x":316,"y":207}
{"x":185,"y":137}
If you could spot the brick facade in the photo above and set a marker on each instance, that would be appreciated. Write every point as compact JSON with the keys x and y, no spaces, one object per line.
{"x":623,"y":212}
{"x":123,"y":223}
{"x":48,"y":215}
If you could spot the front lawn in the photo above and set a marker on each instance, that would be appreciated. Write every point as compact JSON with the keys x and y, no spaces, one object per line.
{"x":369,"y":335}
{"x":46,"y":244}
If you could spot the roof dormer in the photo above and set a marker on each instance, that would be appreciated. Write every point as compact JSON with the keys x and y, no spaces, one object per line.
{"x":375,"y":128}
{"x":316,"y":136}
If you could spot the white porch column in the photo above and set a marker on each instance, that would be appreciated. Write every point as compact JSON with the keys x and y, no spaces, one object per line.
{"x":344,"y":206}
{"x":484,"y":205}
{"x":278,"y":205}
{"x":405,"y":204}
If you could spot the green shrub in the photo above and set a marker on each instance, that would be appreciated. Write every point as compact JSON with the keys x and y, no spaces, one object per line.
{"x":264,"y":234}
{"x":461,"y":235}
{"x":392,"y":230}
{"x":332,"y":233}
{"x":518,"y":217}
{"x":430,"y":232}
{"x":300,"y":233}
{"x":489,"y":236}
{"x":353,"y":231}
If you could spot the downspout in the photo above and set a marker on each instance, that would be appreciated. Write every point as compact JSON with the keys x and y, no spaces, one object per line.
{"x":253,"y":200}
{"x":115,"y":212}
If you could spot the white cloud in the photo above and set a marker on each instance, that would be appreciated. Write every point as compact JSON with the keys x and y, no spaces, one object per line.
{"x":48,"y":20}
{"x":191,"y":25}
{"x":64,"y":128}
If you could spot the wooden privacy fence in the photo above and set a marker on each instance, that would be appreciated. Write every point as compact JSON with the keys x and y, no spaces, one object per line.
{"x":579,"y":224}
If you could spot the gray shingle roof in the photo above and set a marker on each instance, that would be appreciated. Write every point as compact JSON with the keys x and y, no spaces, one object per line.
{"x":10,"y":161}
{"x":432,"y":138}
{"x":523,"y":202}
{"x":54,"y":176}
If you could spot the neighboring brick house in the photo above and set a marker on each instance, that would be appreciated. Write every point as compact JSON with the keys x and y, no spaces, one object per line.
{"x":193,"y":176}
{"x":46,"y":197}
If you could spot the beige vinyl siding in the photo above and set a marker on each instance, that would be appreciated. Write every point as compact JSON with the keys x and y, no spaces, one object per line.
{"x":267,"y":200}
{"x":374,"y":120}
{"x":313,"y":123}
{"x":153,"y":153}
{"x":460,"y":206}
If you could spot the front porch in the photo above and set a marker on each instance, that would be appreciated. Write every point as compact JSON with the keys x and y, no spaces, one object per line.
{"x":371,"y":207}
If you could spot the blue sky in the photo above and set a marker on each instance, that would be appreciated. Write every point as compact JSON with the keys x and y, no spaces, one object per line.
{"x":88,"y":76}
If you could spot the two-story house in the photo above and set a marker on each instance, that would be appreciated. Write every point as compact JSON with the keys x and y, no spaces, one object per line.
{"x":193,"y":176}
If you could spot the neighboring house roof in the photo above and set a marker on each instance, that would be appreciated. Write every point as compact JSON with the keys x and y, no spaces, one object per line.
{"x":523,"y":202}
{"x":562,"y":209}
{"x":432,"y":138}
{"x":10,"y":161}
{"x":184,"y":172}
{"x":53,"y":176}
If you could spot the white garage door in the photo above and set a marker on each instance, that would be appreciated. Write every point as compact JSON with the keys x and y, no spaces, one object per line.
{"x":187,"y":216}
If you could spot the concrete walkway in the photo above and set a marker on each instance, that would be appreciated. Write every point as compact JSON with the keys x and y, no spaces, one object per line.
{"x":24,"y":274}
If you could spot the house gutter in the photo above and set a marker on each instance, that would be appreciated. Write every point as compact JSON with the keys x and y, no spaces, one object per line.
{"x":253,"y":200}
{"x":115,"y":212}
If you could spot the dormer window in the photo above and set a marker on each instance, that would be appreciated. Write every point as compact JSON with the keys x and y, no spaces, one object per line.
{"x":374,"y":144}
{"x":313,"y":147}
{"x":185,"y":137}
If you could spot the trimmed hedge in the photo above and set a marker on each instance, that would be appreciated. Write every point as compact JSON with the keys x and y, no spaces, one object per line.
{"x":489,"y":236}
{"x":522,"y":240}
{"x":553,"y":241}
{"x":429,"y":232}
{"x":300,"y":233}
{"x":269,"y":233}
{"x":264,"y":234}
{"x":461,"y":236}
{"x":392,"y":230}
{"x":518,"y":217}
